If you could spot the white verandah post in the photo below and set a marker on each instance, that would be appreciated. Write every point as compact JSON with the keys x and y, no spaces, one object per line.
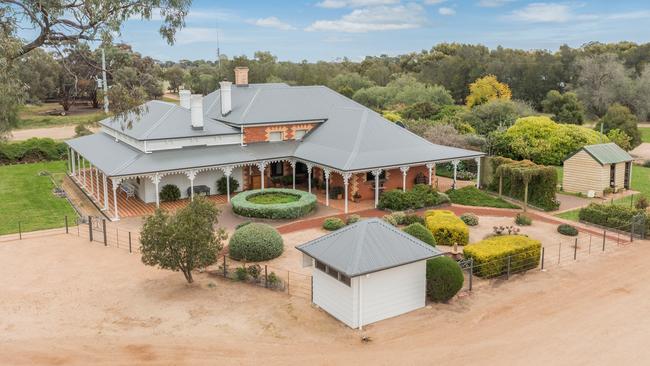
{"x":92,"y":185}
{"x":78,"y":168}
{"x":455,"y":164}
{"x":83,"y":168}
{"x":191,"y":174}
{"x":478,"y":172}
{"x":309,"y":168}
{"x":73,"y":162}
{"x":105,"y":191}
{"x":227,"y":172}
{"x":116,"y":182}
{"x":346,"y":180}
{"x":156,"y":181}
{"x":262,"y":166}
{"x":327,"y":186}
{"x":293,"y":171}
{"x":431,"y":166}
{"x":404,"y":170}
{"x":376,"y":173}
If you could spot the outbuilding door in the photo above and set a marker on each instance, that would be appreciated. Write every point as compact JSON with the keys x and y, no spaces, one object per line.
{"x":612,"y":175}
{"x":626,"y":180}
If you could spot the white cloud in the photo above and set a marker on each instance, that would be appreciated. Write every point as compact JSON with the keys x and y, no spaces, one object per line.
{"x":434,"y":2}
{"x":380,"y":18}
{"x":543,"y":13}
{"x":446,"y":11}
{"x":337,"y":4}
{"x":272,"y":22}
{"x":493,"y":3}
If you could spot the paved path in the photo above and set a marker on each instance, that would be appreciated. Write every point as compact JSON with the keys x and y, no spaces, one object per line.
{"x":57,"y":133}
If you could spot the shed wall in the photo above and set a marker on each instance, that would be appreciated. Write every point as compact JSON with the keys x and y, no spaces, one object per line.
{"x":583,"y":173}
{"x":335,"y":297}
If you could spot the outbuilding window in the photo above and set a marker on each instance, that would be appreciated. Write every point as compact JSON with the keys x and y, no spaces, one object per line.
{"x":332,"y":272}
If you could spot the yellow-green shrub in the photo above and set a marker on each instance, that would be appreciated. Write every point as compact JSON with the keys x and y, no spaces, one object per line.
{"x":491,"y":255}
{"x":446,"y":227}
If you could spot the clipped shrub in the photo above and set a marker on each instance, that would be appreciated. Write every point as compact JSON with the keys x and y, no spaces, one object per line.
{"x":523,"y":220}
{"x":491,"y":255}
{"x":242,"y":224}
{"x":413,"y":218}
{"x":390,"y":219}
{"x":170,"y":192}
{"x":443,"y":198}
{"x":419,"y":231}
{"x":566,"y":229}
{"x":222,"y":187}
{"x":613,"y":216}
{"x":291,"y":210}
{"x":351,"y":219}
{"x":469,"y":218}
{"x":421,"y":195}
{"x":333,"y":223}
{"x":399,"y":217}
{"x":444,"y":278}
{"x":256,"y":242}
{"x":32,"y":150}
{"x":446,"y":227}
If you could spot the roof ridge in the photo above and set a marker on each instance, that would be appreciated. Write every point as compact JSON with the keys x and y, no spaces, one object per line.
{"x":157,"y":123}
{"x":357,"y":140}
{"x":243,"y":115}
{"x":361,"y":244}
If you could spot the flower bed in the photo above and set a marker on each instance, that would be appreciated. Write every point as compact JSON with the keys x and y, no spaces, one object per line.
{"x":248,"y":204}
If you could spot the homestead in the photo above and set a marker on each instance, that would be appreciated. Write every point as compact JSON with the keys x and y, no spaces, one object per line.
{"x":595,"y":169}
{"x":367,"y":272}
{"x":258,"y":135}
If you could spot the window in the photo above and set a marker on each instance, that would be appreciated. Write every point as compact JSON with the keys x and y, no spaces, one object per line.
{"x":332,"y":272}
{"x":371,"y":178}
{"x":321,"y":266}
{"x":299,"y":134}
{"x":275,"y":136}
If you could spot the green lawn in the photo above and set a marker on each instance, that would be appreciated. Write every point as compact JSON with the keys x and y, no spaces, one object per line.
{"x":33,"y":116}
{"x":273,"y":198}
{"x":645,"y":134}
{"x":27,"y":198}
{"x":472,"y":196}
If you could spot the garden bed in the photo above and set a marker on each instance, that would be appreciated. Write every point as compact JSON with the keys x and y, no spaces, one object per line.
{"x":472,"y":196}
{"x":273,"y":203}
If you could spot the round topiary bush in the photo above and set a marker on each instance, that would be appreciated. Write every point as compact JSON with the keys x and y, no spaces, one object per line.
{"x":170,"y":192}
{"x":566,"y":229}
{"x":419,"y":231}
{"x":444,"y":278}
{"x":333,"y":223}
{"x":255,"y":242}
{"x":250,"y":205}
{"x":469,"y":218}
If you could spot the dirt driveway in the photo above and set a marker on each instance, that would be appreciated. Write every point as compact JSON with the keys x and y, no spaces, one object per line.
{"x":67,"y":302}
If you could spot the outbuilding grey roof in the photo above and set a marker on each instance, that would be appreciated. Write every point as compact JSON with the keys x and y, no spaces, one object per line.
{"x":609,"y":153}
{"x":161,"y":120}
{"x":367,"y":246}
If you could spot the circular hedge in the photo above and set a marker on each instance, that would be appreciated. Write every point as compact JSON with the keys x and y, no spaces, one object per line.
{"x":419,"y":231}
{"x":566,"y":229}
{"x":255,"y":242}
{"x":305,"y":204}
{"x":444,"y":278}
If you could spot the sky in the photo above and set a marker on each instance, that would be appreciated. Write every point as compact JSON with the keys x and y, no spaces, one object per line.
{"x":332,"y":29}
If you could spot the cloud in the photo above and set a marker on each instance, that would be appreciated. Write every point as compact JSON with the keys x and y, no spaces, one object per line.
{"x":272,"y":22}
{"x":380,"y":18}
{"x":543,"y":13}
{"x":434,"y":2}
{"x":446,"y":11}
{"x":493,"y":3}
{"x":337,"y":4}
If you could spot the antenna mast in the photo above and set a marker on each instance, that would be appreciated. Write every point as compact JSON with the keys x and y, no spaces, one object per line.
{"x":218,"y":53}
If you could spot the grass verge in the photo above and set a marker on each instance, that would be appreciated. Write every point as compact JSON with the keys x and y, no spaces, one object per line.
{"x":472,"y":196}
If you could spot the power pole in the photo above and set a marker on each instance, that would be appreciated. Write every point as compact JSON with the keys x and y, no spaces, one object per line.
{"x":218,"y":56}
{"x":104,"y":82}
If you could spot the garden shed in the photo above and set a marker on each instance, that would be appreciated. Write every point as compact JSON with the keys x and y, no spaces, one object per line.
{"x":368,"y":271}
{"x":597,"y":168}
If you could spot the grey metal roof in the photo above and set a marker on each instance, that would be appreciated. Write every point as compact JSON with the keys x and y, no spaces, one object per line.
{"x":368,"y":246}
{"x":162,"y":120}
{"x":609,"y":153}
{"x":119,"y":159}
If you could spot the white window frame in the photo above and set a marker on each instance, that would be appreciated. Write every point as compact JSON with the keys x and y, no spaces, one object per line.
{"x":300,"y":130}
{"x":271,"y":133}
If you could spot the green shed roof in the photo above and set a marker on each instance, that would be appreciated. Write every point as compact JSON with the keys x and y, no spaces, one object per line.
{"x":608,"y":153}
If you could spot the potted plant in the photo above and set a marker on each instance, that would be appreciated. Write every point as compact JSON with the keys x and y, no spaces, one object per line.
{"x":356,"y":197}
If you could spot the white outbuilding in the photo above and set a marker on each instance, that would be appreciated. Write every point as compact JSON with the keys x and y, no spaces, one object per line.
{"x":368,"y":271}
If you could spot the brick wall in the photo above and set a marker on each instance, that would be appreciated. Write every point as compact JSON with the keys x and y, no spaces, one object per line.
{"x":261,"y":133}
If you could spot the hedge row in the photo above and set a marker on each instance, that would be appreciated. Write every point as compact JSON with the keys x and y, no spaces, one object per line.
{"x":305,"y":204}
{"x":420,"y":196}
{"x":446,"y":227}
{"x":491,"y":255}
{"x":613,"y":216}
{"x":32,"y":150}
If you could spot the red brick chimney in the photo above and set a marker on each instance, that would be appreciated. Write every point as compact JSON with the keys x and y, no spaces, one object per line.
{"x":241,"y":76}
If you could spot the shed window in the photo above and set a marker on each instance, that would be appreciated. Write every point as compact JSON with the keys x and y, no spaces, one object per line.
{"x":275,"y":136}
{"x":321,"y":266}
{"x":332,"y":272}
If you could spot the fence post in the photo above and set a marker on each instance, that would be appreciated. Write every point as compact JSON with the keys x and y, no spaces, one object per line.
{"x":66,"y":224}
{"x":225,"y":271}
{"x":20,"y":231}
{"x":266,"y":276}
{"x":471,"y":273}
{"x":90,"y":228}
{"x":104,"y":229}
{"x":543,"y":250}
{"x":508,"y":273}
{"x":130,"y":242}
{"x":604,"y":237}
{"x":575,"y":249}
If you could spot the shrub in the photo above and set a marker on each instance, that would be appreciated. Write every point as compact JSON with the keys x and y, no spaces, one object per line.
{"x":620,"y":117}
{"x":221,"y":185}
{"x":566,"y":229}
{"x":351,"y":219}
{"x":446,"y":228}
{"x":32,"y":150}
{"x":390,"y":219}
{"x":421,"y":195}
{"x":241,"y":274}
{"x":413,"y":218}
{"x":444,"y":278}
{"x":242,"y":224}
{"x":612,"y":216}
{"x":291,"y":210}
{"x":419,"y":231}
{"x":523,"y":219}
{"x":469,"y":218}
{"x":491,"y":255}
{"x":641,"y":203}
{"x":399,"y":217}
{"x":254,"y":270}
{"x":333,"y":223}
{"x":170,"y":192}
{"x":256,"y":242}
{"x":273,"y":280}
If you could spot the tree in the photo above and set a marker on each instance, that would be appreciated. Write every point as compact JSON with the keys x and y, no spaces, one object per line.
{"x":497,"y":114}
{"x":182,"y":241}
{"x":486,"y":89}
{"x":566,"y":108}
{"x":175,"y":76}
{"x":349,"y":83}
{"x":422,"y":110}
{"x":619,"y":117}
{"x":620,"y":138}
{"x":39,"y":72}
{"x":602,"y":80}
